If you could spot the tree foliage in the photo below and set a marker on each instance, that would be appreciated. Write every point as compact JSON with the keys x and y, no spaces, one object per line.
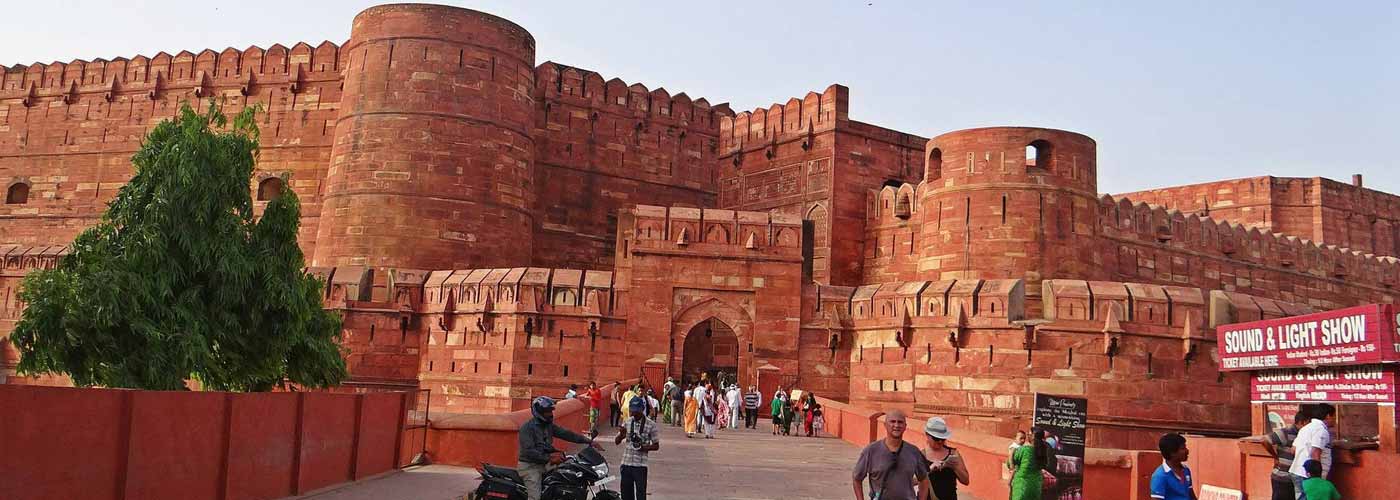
{"x":179,"y":280}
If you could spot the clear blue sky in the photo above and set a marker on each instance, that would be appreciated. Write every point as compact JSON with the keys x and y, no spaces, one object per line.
{"x":1174,"y":92}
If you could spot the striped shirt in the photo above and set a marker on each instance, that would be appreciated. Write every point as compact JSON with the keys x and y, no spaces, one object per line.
{"x":1282,"y":439}
{"x":751,"y":400}
{"x":639,"y":435}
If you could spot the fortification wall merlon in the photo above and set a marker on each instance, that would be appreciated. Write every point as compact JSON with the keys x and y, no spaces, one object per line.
{"x":696,"y":230}
{"x":566,"y":84}
{"x":1153,"y":225}
{"x":763,"y":127}
{"x":15,"y":258}
{"x":518,"y":290}
{"x":276,"y":65}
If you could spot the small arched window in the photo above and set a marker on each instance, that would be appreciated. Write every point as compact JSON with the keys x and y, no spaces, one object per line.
{"x":934,"y":170}
{"x":1039,"y":154}
{"x":18,"y":194}
{"x":269,"y":189}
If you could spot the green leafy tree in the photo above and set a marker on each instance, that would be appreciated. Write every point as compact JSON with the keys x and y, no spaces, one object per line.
{"x":179,"y":280}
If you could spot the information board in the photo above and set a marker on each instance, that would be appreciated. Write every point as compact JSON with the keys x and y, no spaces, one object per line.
{"x":1063,"y":419}
{"x":1341,"y":384}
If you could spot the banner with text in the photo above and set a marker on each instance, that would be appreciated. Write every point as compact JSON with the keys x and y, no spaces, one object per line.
{"x":1343,"y":384}
{"x":1063,"y":419}
{"x":1351,"y":336}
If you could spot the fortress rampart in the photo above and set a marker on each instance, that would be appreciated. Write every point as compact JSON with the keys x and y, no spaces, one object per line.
{"x":494,"y":229}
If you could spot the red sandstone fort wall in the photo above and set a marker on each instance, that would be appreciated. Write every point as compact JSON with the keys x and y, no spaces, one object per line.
{"x":69,"y":129}
{"x":603,"y":146}
{"x":1318,"y":209}
{"x":807,"y":158}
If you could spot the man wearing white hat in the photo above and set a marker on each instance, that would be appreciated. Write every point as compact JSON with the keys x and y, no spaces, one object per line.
{"x":945,"y":465}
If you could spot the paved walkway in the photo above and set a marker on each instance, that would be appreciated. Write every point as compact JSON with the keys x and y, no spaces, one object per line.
{"x":737,"y":464}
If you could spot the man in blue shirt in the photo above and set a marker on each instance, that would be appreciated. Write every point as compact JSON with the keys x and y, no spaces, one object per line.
{"x":1173,"y":480}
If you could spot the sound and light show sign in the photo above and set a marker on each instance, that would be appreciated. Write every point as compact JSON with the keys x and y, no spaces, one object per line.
{"x":1344,"y":384}
{"x":1352,"y":336}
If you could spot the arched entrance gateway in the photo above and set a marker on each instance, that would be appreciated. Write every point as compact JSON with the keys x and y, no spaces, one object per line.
{"x":710,"y":347}
{"x":713,"y":337}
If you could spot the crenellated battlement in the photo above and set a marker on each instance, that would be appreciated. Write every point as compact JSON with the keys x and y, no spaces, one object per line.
{"x":586,"y":88}
{"x":815,"y":112}
{"x":680,"y":229}
{"x":893,"y":205}
{"x":1125,"y":219}
{"x":276,"y":65}
{"x":17,"y":258}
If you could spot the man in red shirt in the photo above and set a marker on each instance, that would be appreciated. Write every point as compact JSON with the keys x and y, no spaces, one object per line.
{"x":595,"y":406}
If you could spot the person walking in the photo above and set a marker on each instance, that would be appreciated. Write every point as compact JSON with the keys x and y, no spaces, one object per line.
{"x":735,"y":406}
{"x":892,"y":466}
{"x":595,"y":406}
{"x":677,"y":402}
{"x":751,"y":400}
{"x":615,"y":405}
{"x":573,"y":392}
{"x":945,"y":465}
{"x":664,"y":415}
{"x":643,"y":437}
{"x":708,"y":409}
{"x":626,"y":403}
{"x":1280,"y":445}
{"x":1029,"y":461}
{"x":536,"y":441}
{"x":1314,"y":442}
{"x":692,"y":411}
{"x":789,"y":408}
{"x":776,"y":410}
{"x":810,"y":411}
{"x":1172,"y":481}
{"x":721,"y":408}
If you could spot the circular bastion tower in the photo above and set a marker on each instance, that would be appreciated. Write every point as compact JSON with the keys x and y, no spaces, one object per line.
{"x":1008,"y":202}
{"x":432,"y":163}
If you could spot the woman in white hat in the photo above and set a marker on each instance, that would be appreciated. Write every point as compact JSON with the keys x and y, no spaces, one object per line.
{"x":945,"y":465}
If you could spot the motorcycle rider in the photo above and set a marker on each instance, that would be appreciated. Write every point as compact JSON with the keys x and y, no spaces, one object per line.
{"x":537,"y":453}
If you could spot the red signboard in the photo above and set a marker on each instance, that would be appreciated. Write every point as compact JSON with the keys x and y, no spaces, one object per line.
{"x":1342,"y":384}
{"x":1352,"y":336}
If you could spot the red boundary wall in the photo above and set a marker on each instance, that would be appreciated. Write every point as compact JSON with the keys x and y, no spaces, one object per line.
{"x":1115,"y":474}
{"x":472,"y":439}
{"x":64,"y":443}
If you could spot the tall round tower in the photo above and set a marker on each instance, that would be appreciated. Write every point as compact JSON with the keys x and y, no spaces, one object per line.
{"x":432,"y":164}
{"x":1008,"y":202}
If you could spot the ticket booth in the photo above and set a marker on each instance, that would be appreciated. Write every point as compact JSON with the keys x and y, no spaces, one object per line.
{"x":1346,"y":357}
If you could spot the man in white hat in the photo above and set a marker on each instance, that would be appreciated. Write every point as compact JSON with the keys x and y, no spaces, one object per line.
{"x":946,"y":467}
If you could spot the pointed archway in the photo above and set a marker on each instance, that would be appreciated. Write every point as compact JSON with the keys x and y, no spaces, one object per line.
{"x":713,"y":336}
{"x":711,"y":347}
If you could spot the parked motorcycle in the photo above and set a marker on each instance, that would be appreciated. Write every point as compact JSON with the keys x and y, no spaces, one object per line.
{"x":578,"y":477}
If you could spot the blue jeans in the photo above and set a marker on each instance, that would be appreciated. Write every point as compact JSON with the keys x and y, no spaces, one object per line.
{"x":1297,"y":486}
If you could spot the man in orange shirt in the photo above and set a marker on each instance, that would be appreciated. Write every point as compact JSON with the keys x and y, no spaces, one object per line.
{"x":595,"y":406}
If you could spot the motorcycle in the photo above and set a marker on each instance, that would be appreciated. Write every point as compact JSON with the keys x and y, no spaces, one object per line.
{"x":578,"y":477}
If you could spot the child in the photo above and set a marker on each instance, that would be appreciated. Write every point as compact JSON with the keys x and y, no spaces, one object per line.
{"x":1315,"y":487}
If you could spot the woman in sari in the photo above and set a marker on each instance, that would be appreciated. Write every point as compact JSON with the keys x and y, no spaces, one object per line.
{"x":722,"y":414}
{"x":1028,"y":461}
{"x":692,"y":409}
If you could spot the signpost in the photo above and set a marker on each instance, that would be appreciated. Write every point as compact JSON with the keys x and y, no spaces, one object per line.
{"x":1343,"y":384}
{"x":1063,"y":419}
{"x":1209,"y":492}
{"x":1352,"y":336}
